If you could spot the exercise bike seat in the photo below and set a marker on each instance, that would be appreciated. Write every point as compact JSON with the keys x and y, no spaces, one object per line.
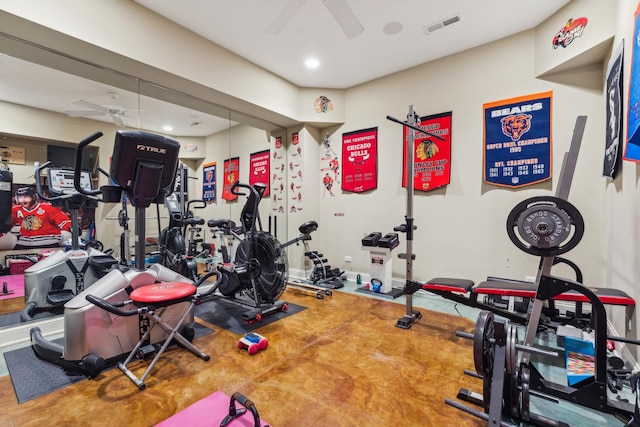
{"x":221,"y":222}
{"x":308,"y":227}
{"x":193,"y":221}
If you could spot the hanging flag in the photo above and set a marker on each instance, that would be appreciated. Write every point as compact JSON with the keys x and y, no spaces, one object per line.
{"x":209,"y":182}
{"x":614,"y":113}
{"x":259,"y":169}
{"x":359,"y":160}
{"x":632,"y":150}
{"x":517,"y":140}
{"x":431,"y":156}
{"x":231,"y":175}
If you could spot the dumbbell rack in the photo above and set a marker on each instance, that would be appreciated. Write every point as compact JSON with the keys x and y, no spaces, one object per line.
{"x":323,"y":274}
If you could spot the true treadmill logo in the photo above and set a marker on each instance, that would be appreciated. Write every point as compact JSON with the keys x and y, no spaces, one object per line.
{"x":150,"y":148}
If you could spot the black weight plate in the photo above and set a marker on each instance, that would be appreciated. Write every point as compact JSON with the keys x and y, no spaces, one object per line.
{"x":551,"y":203}
{"x":483,"y":347}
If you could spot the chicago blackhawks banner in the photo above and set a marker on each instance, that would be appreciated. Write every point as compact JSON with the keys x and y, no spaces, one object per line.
{"x":209,"y":182}
{"x":613,"y":100}
{"x":431,"y":156}
{"x":231,"y":175}
{"x":259,"y":169}
{"x":359,"y":160}
{"x":517,"y":140}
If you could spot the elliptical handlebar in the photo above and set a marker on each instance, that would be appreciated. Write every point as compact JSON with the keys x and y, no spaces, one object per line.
{"x":78,"y":164}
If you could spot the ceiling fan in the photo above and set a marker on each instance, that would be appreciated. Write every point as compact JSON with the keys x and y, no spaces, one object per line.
{"x":115,"y":112}
{"x":339,"y":9}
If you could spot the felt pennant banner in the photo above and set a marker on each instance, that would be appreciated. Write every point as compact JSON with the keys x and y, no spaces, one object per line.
{"x":209,"y":182}
{"x":632,"y":150}
{"x":431,"y":156}
{"x":231,"y":175}
{"x":359,"y":157}
{"x":259,"y":169}
{"x":613,"y":100}
{"x":517,"y":140}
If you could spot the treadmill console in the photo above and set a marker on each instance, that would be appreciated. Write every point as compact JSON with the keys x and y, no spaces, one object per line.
{"x":61,"y":181}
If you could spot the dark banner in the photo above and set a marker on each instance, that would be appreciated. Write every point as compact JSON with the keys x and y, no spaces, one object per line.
{"x":259,"y":169}
{"x":517,"y":140}
{"x":209,"y":182}
{"x":231,"y":175}
{"x":431,"y":156}
{"x":359,"y":160}
{"x":632,"y":150}
{"x":614,"y":114}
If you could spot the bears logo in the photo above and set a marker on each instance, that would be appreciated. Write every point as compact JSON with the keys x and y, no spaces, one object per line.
{"x":516,"y":125}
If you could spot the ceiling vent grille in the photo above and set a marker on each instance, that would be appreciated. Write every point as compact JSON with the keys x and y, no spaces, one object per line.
{"x":428,"y":29}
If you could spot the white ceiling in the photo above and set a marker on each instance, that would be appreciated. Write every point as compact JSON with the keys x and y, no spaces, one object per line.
{"x":239,"y":25}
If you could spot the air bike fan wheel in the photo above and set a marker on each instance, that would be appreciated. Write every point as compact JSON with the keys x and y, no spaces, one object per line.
{"x":267,"y":263}
{"x":545,"y":226}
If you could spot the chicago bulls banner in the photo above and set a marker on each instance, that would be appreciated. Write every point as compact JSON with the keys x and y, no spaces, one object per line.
{"x":431,"y":156}
{"x":359,"y":160}
{"x":259,"y":169}
{"x":517,"y":140}
{"x":209,"y":182}
{"x":230,"y":175}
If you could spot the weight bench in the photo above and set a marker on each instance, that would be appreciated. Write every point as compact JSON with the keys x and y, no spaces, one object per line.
{"x":466,"y":292}
{"x":150,"y":302}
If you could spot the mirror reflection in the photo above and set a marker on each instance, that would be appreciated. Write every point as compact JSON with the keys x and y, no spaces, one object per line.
{"x":47,"y":112}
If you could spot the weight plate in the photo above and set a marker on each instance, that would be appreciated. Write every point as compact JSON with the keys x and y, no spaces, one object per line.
{"x":483,"y":345}
{"x":525,"y":379}
{"x":545,"y":226}
{"x":486,"y":393}
{"x":512,"y":354}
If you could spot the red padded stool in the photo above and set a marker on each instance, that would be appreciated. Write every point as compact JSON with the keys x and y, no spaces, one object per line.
{"x":152,"y":300}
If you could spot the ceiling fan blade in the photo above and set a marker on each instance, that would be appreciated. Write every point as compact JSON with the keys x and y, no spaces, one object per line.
{"x":284,"y":17}
{"x":90,"y":105}
{"x":84,"y":113}
{"x":345,"y":17}
{"x":117,"y":120}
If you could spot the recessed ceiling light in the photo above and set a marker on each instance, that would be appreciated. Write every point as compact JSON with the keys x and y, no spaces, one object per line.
{"x":392,"y":28}
{"x":167,"y":128}
{"x":312,"y":63}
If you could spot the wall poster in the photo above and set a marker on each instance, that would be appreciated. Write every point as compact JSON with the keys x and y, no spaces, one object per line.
{"x":259,"y":169}
{"x":517,"y":140}
{"x":431,"y":156}
{"x":359,"y":158}
{"x":231,"y":174}
{"x":209,"y":182}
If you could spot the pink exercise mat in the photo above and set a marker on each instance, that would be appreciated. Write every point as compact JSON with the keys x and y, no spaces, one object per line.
{"x":14,"y":283}
{"x":209,"y":412}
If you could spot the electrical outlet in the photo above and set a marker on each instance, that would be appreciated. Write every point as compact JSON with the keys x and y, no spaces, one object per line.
{"x":347,"y":258}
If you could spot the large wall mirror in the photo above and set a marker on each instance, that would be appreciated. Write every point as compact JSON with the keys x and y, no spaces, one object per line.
{"x":50,"y":102}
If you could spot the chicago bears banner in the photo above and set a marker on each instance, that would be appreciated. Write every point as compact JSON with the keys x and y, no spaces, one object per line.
{"x":517,"y":140}
{"x":359,"y":160}
{"x":632,"y":150}
{"x":431,"y":156}
{"x":209,"y":182}
{"x":259,"y":169}
{"x":230,"y":175}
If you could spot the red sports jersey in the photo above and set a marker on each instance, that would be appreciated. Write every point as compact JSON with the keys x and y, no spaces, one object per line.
{"x":41,"y":225}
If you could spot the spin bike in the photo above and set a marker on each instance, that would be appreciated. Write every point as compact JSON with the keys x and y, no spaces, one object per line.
{"x":257,"y":275}
{"x":55,"y":280}
{"x":175,"y":252}
{"x":116,"y":316}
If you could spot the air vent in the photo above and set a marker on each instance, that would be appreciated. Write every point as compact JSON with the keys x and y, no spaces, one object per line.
{"x":428,"y":29}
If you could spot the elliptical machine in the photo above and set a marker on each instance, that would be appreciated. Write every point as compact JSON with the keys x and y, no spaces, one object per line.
{"x":55,"y":280}
{"x":143,"y":167}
